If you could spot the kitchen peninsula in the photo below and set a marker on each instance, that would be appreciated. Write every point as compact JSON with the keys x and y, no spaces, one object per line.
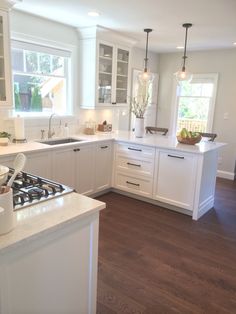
{"x":48,"y":263}
{"x":154,"y":168}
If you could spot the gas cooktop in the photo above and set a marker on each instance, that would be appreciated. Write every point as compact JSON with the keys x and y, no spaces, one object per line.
{"x":29,"y":189}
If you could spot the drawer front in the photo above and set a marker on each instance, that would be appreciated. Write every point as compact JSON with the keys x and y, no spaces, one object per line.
{"x":135,"y":150}
{"x":135,"y":165}
{"x":133,"y":185}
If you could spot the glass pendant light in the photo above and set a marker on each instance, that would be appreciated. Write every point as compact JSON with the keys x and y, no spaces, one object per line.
{"x":146,"y":77}
{"x":183,"y":75}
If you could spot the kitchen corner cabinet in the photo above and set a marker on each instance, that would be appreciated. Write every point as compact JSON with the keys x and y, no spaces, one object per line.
{"x":5,"y":64}
{"x":105,"y":72}
{"x":174,"y":178}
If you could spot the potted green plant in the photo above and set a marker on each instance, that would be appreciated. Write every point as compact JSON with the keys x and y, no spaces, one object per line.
{"x":4,"y":138}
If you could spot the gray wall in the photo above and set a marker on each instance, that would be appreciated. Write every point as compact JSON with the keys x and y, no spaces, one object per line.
{"x":222,"y":62}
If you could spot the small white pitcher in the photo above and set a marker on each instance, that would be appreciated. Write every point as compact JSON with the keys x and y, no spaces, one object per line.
{"x":7,"y":221}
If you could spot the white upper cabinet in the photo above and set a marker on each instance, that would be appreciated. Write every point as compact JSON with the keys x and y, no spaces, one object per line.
{"x":104,"y":68}
{"x":5,"y":63}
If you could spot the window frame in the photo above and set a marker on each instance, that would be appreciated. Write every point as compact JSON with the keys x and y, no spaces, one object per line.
{"x":213,"y":77}
{"x":25,"y":41}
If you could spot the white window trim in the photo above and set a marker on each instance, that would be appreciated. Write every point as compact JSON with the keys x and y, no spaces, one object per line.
{"x":174,"y":107}
{"x":64,"y":47}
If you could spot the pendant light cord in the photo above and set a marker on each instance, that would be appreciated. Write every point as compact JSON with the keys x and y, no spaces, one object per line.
{"x":147,"y":30}
{"x":186,"y":25}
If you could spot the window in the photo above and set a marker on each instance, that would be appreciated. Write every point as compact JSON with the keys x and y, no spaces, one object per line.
{"x":195,"y":103}
{"x":41,"y":79}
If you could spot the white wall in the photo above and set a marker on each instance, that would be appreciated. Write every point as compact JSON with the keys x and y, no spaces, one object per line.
{"x":42,"y":28}
{"x":57,"y":34}
{"x":217,"y":61}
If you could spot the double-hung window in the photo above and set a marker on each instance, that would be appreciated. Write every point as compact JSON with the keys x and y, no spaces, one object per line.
{"x":41,"y":79}
{"x":195,"y":102}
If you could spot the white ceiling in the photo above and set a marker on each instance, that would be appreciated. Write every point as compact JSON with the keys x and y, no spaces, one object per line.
{"x":214,"y":21}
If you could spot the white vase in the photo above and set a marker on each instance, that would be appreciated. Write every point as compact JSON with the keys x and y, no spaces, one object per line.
{"x":139,"y":127}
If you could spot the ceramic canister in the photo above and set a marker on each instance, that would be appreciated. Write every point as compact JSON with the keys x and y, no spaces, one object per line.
{"x":7,"y":221}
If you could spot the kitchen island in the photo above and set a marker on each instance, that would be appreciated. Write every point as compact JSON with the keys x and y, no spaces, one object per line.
{"x":48,"y":263}
{"x":154,"y":168}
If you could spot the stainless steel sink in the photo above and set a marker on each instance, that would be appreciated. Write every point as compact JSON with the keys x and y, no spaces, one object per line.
{"x":60,"y":141}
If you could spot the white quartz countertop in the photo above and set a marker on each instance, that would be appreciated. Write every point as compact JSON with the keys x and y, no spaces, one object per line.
{"x":35,"y":220}
{"x":153,"y":140}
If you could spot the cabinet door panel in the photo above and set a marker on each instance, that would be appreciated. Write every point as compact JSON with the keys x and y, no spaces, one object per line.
{"x":103,"y":166}
{"x":175,"y":179}
{"x":85,"y":170}
{"x":39,"y":164}
{"x":63,"y":166}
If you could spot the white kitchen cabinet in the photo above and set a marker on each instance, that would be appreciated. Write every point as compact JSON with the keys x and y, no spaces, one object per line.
{"x":103,"y":166}
{"x":175,"y":178}
{"x":104,"y":68}
{"x":63,"y":166}
{"x":39,"y":164}
{"x":5,"y":58}
{"x":134,"y":168}
{"x":85,"y":169}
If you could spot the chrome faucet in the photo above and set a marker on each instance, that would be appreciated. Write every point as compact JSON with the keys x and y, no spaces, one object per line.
{"x":50,"y":132}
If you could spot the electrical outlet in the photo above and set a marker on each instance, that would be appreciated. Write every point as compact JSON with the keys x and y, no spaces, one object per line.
{"x":226,"y":116}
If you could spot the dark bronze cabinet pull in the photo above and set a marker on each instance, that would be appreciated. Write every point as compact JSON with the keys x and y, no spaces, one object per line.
{"x":136,"y":184}
{"x":113,"y":103}
{"x":136,"y":149}
{"x":173,"y":156}
{"x":130,"y":164}
{"x":103,"y":147}
{"x":76,"y":149}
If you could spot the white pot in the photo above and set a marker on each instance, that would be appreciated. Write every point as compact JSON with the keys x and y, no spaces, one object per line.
{"x":7,"y":221}
{"x":139,"y":127}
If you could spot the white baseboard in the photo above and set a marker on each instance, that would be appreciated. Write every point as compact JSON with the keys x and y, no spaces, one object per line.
{"x":225,"y":174}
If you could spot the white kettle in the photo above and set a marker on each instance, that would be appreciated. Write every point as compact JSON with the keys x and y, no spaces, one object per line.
{"x":7,"y":221}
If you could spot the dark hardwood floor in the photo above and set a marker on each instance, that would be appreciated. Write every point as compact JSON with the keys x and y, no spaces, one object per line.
{"x":153,"y":260}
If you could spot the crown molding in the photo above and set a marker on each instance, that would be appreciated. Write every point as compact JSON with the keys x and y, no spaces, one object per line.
{"x":8,"y":4}
{"x":103,"y":33}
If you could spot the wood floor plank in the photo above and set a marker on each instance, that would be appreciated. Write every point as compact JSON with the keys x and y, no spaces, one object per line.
{"x":153,"y":260}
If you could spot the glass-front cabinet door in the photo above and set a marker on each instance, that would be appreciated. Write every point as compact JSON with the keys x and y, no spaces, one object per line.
{"x":122,"y":71}
{"x":105,"y":73}
{"x":5,"y":73}
{"x":2,"y":63}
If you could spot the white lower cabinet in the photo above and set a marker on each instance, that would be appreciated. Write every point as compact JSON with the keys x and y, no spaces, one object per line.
{"x":133,"y":168}
{"x":85,"y":169}
{"x":175,"y":178}
{"x":39,"y":164}
{"x":63,"y":166}
{"x":134,"y":184}
{"x":103,"y":166}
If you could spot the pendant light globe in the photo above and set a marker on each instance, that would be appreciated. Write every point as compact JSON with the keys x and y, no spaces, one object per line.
{"x":184,"y":75}
{"x":146,"y":77}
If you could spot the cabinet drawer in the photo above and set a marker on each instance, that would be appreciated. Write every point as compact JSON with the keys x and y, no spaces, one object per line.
{"x":136,"y":166}
{"x":134,"y":185}
{"x":135,"y":150}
